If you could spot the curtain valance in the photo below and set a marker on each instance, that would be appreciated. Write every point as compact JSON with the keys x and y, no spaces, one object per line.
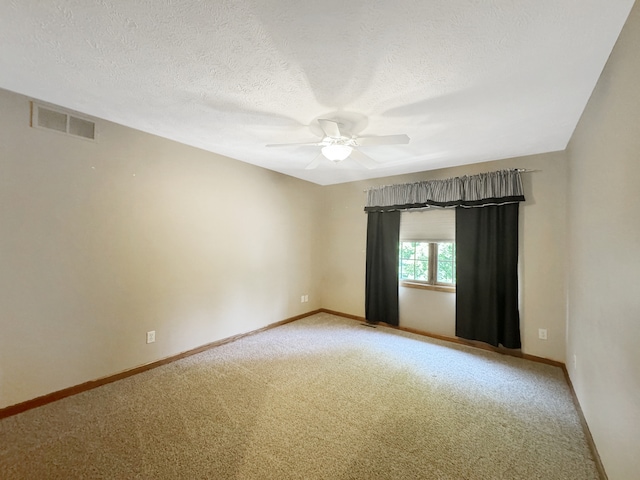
{"x":492,"y":188}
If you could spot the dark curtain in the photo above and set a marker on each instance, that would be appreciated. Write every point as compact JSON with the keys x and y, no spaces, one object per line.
{"x":487,"y":275}
{"x":381,"y":286}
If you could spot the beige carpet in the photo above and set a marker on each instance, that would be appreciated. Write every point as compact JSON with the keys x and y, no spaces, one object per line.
{"x":319,"y":398}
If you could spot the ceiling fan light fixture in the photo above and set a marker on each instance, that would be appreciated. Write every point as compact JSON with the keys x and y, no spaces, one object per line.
{"x":336,"y":152}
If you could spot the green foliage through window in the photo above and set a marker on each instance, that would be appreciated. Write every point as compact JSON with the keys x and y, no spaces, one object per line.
{"x":446,"y":271}
{"x":428,"y":262}
{"x":414,"y":261}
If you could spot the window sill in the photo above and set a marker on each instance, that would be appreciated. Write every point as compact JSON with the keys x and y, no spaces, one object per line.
{"x":425,"y":286}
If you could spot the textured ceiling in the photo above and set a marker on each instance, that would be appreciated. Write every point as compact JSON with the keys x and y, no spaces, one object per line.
{"x":467,"y":80}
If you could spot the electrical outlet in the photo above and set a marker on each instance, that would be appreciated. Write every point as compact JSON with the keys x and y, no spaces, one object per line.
{"x":575,"y":362}
{"x":301,"y":298}
{"x":151,"y":336}
{"x":306,"y":298}
{"x":542,"y":333}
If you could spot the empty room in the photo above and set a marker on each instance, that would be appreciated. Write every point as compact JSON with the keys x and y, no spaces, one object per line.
{"x":344,"y":240}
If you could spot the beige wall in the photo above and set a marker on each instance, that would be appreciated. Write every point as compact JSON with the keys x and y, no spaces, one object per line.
{"x":102,"y":241}
{"x":604,"y":258}
{"x":542,"y":247}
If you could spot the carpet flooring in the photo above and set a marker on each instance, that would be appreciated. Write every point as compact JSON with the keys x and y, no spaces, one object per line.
{"x":319,"y":398}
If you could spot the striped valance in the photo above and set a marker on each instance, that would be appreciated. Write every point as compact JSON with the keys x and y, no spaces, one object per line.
{"x":493,"y":188}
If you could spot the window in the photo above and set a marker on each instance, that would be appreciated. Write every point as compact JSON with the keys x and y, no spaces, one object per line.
{"x":431,"y":263}
{"x":428,"y":249}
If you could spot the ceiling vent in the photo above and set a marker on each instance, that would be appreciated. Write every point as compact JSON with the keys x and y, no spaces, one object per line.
{"x":62,"y":121}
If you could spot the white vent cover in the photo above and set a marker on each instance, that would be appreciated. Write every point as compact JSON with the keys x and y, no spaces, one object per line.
{"x":61,"y":121}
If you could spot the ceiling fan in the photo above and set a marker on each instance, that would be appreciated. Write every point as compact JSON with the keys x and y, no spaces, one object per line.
{"x":339,"y":143}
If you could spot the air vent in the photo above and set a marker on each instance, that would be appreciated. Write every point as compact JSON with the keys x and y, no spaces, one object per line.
{"x":62,"y":121}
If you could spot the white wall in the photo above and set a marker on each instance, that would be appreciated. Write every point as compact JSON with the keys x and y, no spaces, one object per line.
{"x":604,"y":258}
{"x":102,"y":241}
{"x":427,"y":310}
{"x":542,"y":253}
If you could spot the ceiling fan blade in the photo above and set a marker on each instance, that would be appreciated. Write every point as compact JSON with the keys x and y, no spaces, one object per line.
{"x":316,"y":144}
{"x":315,"y":162}
{"x":383,"y":140}
{"x":364,"y":160}
{"x":330,"y":127}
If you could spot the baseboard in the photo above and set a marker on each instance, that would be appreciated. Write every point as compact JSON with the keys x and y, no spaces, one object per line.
{"x":344,"y":315}
{"x":83,"y":387}
{"x":585,"y":427}
{"x":484,"y":346}
{"x":459,"y":341}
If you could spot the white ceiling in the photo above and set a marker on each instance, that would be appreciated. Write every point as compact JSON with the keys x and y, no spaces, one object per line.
{"x":467,"y":80}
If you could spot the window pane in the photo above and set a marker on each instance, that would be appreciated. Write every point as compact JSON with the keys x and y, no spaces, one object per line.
{"x":422,"y":270}
{"x":454,"y":263}
{"x":422,"y":251}
{"x":445,"y":272}
{"x":407,"y":269}
{"x":415,"y":257}
{"x":445,"y":251}
{"x":407,"y":250}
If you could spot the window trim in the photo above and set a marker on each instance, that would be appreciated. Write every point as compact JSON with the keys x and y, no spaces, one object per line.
{"x":427,"y":286}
